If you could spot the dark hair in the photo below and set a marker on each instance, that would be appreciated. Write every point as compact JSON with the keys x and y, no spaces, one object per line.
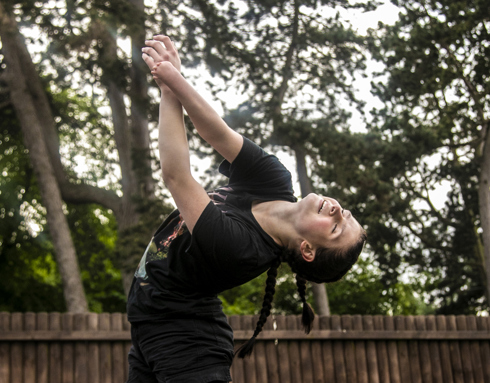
{"x":328,"y":266}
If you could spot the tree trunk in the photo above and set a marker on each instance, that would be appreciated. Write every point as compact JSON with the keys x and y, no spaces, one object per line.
{"x":139,"y":106}
{"x":484,"y":202}
{"x":320,"y":296}
{"x":32,"y":130}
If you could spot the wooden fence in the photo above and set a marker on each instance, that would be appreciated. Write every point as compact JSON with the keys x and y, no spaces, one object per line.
{"x":92,"y":348}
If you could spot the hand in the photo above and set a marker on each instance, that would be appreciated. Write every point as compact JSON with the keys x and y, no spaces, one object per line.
{"x":157,"y":51}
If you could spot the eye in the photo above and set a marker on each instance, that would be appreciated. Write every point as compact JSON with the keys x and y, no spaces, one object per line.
{"x":335,"y":227}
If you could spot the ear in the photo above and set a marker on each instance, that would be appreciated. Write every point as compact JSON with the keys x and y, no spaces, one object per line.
{"x":307,"y":251}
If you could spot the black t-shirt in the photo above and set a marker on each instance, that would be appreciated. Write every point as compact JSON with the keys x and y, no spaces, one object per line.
{"x":181,"y":274}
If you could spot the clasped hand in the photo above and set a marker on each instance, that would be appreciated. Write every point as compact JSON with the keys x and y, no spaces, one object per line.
{"x":157,"y":52}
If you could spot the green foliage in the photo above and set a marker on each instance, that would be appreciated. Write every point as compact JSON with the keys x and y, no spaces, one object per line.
{"x":436,"y":57}
{"x":297,"y":63}
{"x":29,"y":278}
{"x":94,"y":233}
{"x":361,"y":291}
{"x":245,"y":299}
{"x":28,"y":275}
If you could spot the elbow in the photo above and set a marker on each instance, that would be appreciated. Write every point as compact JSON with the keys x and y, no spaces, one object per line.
{"x":172,"y":174}
{"x":168,"y":175}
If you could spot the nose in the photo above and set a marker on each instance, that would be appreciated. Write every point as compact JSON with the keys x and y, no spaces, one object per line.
{"x":335,"y":210}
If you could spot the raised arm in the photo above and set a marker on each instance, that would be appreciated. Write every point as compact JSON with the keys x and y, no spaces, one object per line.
{"x":189,"y":196}
{"x":208,"y":123}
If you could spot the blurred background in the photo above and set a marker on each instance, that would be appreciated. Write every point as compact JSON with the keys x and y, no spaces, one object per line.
{"x":383,"y":106}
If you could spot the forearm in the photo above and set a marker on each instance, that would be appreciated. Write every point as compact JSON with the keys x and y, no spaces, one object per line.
{"x":172,"y":139}
{"x":207,"y":122}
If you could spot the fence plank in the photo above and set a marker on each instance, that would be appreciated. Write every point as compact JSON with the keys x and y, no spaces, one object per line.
{"x":248,"y":322}
{"x":260,"y":357}
{"x":483,"y":324}
{"x":105,"y":352}
{"x":317,"y":356}
{"x":475,"y":351}
{"x":294,"y":353}
{"x":360,"y":350}
{"x":42,"y":350}
{"x":4,"y":349}
{"x":29,"y":361}
{"x":371,"y":352}
{"x":327,"y":352}
{"x":413,"y":352}
{"x":93,"y":358}
{"x":80,"y":349}
{"x":465,"y":352}
{"x":394,"y":360}
{"x":283,"y":352}
{"x":68,"y":351}
{"x":456,"y":362}
{"x":423,"y":351}
{"x":55,"y":350}
{"x":434,"y":354}
{"x":349,"y":350}
{"x":446,"y":365}
{"x":272,"y":364}
{"x":117,"y":349}
{"x":306,"y":357}
{"x":16,"y":352}
{"x":403,"y":355}
{"x":382,"y":352}
{"x":338,"y":352}
{"x":127,"y":347}
{"x":237,"y":372}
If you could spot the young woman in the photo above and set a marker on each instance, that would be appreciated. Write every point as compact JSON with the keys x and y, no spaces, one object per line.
{"x":218,"y":240}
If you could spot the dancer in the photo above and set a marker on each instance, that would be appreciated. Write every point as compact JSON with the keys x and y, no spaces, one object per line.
{"x":219,"y":240}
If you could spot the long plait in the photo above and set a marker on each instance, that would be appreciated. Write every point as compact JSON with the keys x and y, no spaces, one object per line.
{"x":270,"y":289}
{"x":308,"y":314}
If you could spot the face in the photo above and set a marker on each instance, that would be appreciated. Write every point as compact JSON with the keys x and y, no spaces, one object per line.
{"x":324,"y":223}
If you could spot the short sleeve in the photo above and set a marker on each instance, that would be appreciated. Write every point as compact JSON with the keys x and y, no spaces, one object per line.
{"x":226,"y":244}
{"x":258,"y":172}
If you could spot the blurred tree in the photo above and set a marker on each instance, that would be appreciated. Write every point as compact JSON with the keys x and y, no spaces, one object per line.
{"x":436,"y":122}
{"x":83,"y":61}
{"x":23,"y":102}
{"x":29,"y":277}
{"x":296,"y":62}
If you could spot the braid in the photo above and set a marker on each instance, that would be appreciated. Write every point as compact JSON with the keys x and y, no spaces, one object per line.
{"x":308,"y":314}
{"x":270,"y":289}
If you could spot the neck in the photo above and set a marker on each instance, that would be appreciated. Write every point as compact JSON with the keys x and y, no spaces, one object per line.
{"x":276,"y":219}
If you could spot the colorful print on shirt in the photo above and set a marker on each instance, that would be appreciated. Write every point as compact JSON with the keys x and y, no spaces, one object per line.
{"x":157,"y":251}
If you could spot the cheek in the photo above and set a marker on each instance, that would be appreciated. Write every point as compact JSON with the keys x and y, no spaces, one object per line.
{"x":317,"y":230}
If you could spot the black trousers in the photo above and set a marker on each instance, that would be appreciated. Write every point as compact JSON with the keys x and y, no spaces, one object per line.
{"x":189,"y":350}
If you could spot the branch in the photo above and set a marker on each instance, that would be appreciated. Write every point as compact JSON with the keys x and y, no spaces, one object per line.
{"x":83,"y":193}
{"x":426,"y":198}
{"x":287,"y":72}
{"x":475,"y":95}
{"x":75,"y":193}
{"x":425,"y":240}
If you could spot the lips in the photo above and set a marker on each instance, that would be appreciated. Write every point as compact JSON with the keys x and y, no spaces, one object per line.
{"x":322,"y":205}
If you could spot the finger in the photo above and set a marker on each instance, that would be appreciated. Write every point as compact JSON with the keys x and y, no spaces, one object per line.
{"x":155,"y":67}
{"x":148,"y":60}
{"x":157,"y":46}
{"x":154,"y":54}
{"x":167,"y":42}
